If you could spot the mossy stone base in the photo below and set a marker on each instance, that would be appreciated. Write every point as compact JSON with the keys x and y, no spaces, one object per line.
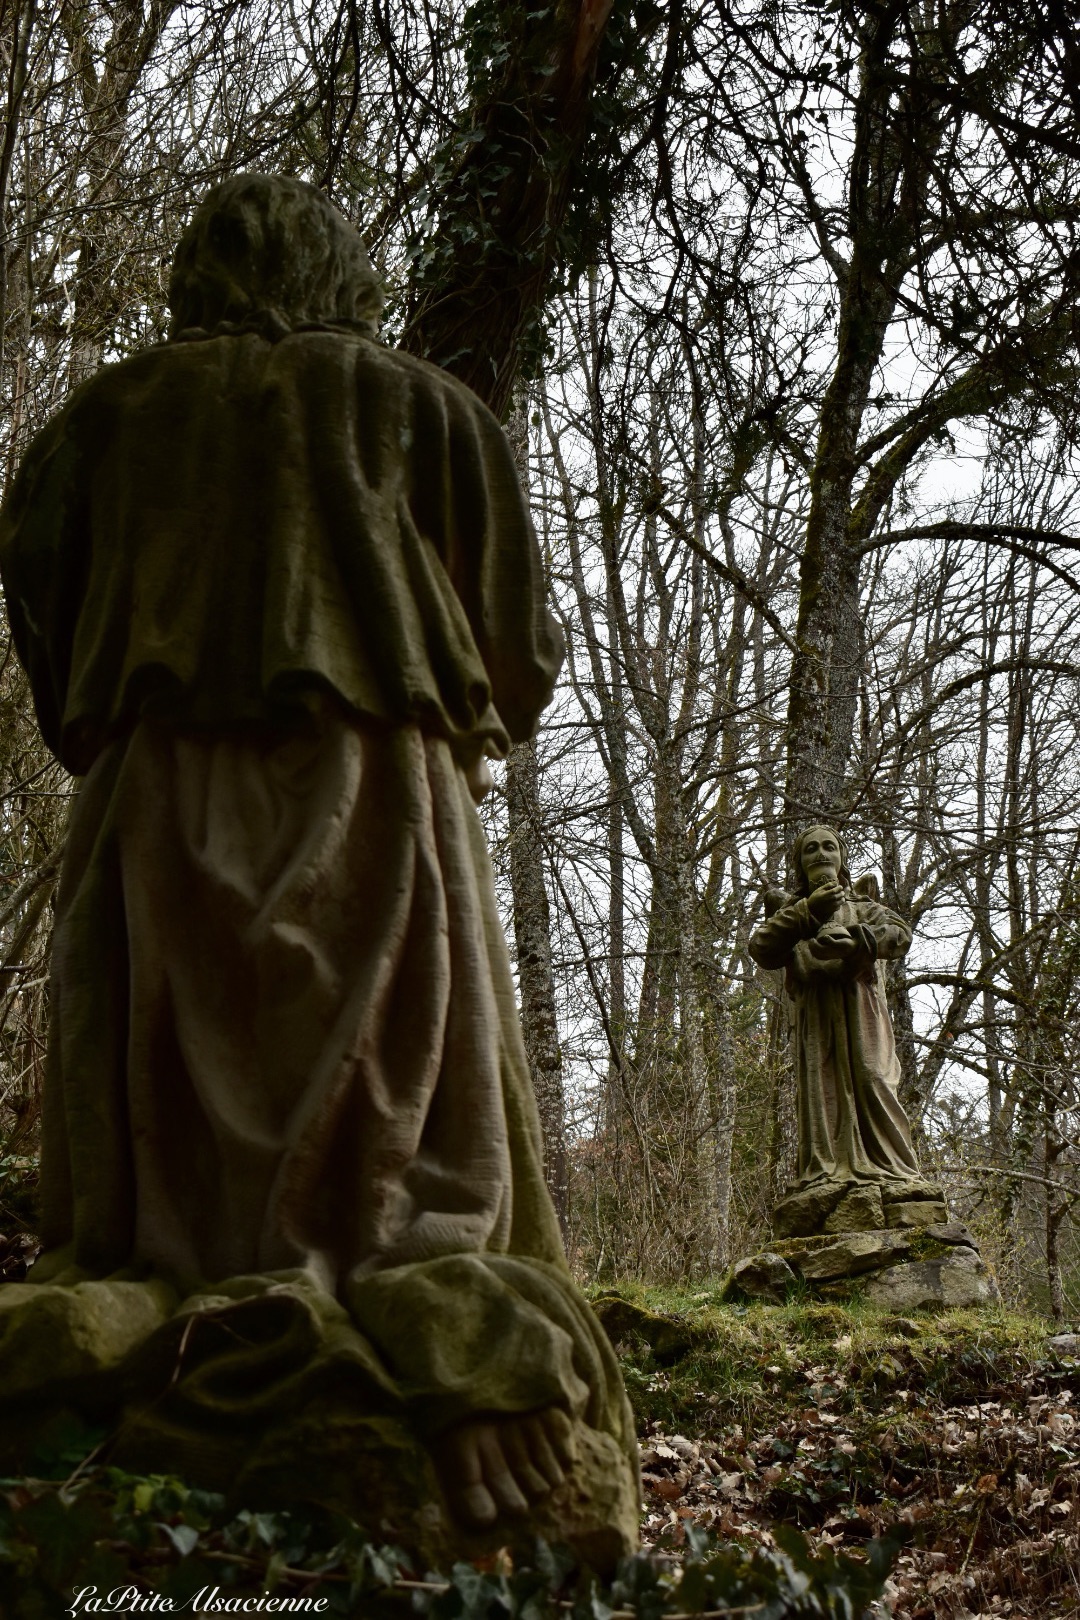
{"x":860,"y":1210}
{"x":857,"y":1206}
{"x":958,"y":1279}
{"x":920,"y":1212}
{"x":900,"y":1268}
{"x":848,"y":1254}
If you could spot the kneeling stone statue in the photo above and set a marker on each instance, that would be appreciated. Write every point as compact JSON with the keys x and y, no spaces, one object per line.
{"x":279,"y":600}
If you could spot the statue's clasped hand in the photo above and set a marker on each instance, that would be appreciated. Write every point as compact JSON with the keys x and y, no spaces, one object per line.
{"x":825,"y":901}
{"x":844,"y":944}
{"x":833,"y":944}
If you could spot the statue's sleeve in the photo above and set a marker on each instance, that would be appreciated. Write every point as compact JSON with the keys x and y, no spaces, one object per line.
{"x":497,"y":571}
{"x":43,"y":566}
{"x":891,"y":933}
{"x":772,"y":944}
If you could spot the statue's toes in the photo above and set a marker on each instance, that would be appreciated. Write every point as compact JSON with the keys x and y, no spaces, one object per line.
{"x":476,"y":1506}
{"x":550,"y":1449}
{"x":524,"y":1458}
{"x":494,"y":1467}
{"x":500,"y":1475}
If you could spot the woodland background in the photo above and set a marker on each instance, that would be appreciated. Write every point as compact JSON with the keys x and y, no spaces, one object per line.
{"x":779,"y":303}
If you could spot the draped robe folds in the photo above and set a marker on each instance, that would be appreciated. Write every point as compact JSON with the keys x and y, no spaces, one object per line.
{"x":276,"y":600}
{"x":852,"y":1127}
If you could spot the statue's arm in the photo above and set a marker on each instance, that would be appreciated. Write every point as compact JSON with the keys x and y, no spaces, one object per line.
{"x":772,"y":944}
{"x":892,"y":936}
{"x":42,"y":566}
{"x":502,"y":585}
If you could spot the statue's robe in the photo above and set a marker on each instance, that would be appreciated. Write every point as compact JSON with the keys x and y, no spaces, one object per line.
{"x":211,"y":527}
{"x":276,"y":599}
{"x":852,"y":1126}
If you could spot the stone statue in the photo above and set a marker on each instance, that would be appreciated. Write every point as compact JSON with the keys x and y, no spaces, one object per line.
{"x":279,"y":600}
{"x":856,"y":1166}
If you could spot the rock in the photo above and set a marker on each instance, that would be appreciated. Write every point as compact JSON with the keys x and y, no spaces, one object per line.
{"x":762,"y":1276}
{"x":960,"y":1279}
{"x":845,"y":1206}
{"x":902,"y":1325}
{"x":859,"y":1210}
{"x":920,"y":1213}
{"x":909,"y":1192}
{"x":805,"y":1211}
{"x":954,"y":1232}
{"x":850,"y":1256}
{"x":71,"y":1335}
{"x":667,"y":1337}
{"x":1064,"y":1344}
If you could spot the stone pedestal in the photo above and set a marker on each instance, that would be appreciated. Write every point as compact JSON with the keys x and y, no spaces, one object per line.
{"x":844,"y":1206}
{"x":902,"y":1268}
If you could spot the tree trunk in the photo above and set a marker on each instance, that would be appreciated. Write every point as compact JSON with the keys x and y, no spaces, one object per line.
{"x":1057,"y":1206}
{"x":887,"y":181}
{"x":483,"y":278}
{"x":705,"y":1236}
{"x":17,"y":27}
{"x":106,"y":97}
{"x":532,"y":925}
{"x":532,"y":935}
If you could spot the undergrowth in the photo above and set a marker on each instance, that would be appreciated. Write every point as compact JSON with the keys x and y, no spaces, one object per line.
{"x":721,"y":1362}
{"x":111,"y":1542}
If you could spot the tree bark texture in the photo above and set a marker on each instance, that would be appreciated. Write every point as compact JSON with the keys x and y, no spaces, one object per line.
{"x":503,"y":194}
{"x":532,"y":925}
{"x":536,"y":985}
{"x":896,"y":139}
{"x":827,"y":660}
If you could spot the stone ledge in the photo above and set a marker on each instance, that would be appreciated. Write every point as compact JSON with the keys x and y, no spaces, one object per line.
{"x":901,"y":1269}
{"x":849,"y":1206}
{"x":959,"y":1280}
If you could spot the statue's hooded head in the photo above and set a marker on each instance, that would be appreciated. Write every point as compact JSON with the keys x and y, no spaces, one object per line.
{"x":814,"y":835}
{"x":268,"y":253}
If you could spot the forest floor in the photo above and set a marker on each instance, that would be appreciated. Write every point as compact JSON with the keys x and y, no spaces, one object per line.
{"x":964,"y":1428}
{"x":960,"y":1430}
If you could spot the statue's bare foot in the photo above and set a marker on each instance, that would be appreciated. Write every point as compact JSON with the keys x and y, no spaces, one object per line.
{"x":492,"y":1466}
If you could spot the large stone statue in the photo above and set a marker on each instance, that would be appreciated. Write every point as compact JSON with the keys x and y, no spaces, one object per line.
{"x":279,"y":599}
{"x":856,"y":1165}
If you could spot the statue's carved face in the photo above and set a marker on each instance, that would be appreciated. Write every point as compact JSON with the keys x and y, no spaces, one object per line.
{"x":820,"y":856}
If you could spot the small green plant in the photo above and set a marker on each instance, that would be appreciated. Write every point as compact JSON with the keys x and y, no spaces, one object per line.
{"x":158,"y":1545}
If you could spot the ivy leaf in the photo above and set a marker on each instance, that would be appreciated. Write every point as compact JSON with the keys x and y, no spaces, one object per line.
{"x":481,"y":1597}
{"x":64,"y":1534}
{"x":384,"y":1564}
{"x":184,"y":1537}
